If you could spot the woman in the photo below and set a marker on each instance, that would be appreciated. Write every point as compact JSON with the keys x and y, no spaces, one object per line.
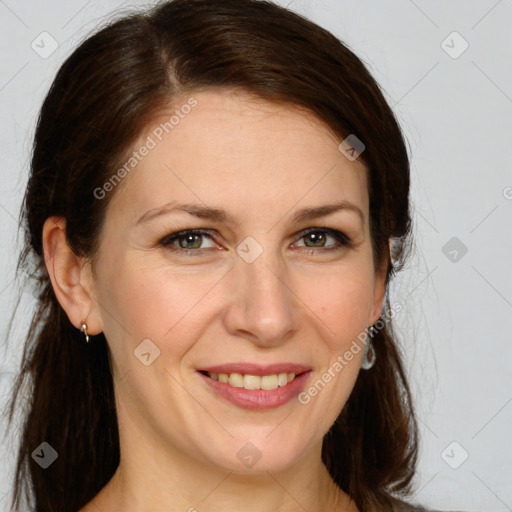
{"x":218,"y":200}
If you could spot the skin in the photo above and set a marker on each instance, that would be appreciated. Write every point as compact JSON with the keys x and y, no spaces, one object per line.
{"x":299,"y":301}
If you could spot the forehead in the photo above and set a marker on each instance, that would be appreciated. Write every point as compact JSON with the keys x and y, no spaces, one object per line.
{"x":224,"y":148}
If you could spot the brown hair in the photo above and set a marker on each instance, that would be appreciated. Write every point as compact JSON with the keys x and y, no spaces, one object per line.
{"x":102,"y":97}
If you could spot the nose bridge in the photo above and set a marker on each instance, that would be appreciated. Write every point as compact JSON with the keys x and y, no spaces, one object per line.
{"x":263,"y":302}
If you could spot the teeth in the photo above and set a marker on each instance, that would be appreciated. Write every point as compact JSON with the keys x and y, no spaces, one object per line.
{"x":282,"y":379}
{"x":251,"y":382}
{"x":236,"y":380}
{"x":267,"y":382}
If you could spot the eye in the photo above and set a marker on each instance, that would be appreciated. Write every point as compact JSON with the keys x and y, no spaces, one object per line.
{"x":319,"y":238}
{"x":190,"y":239}
{"x":195,"y":240}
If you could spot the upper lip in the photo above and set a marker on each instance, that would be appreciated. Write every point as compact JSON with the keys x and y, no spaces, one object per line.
{"x":257,"y":369}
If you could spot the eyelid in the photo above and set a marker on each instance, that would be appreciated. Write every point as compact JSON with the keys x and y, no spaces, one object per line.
{"x":342,"y":243}
{"x":167,"y":240}
{"x":342,"y":239}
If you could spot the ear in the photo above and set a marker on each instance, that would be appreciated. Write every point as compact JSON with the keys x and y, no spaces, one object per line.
{"x":71,"y":277}
{"x":379,"y":289}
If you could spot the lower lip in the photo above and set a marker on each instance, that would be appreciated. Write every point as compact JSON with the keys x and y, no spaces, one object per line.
{"x":258,"y":399}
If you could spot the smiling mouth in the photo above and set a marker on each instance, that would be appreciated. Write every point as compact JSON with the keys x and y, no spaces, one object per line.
{"x":247,"y":381}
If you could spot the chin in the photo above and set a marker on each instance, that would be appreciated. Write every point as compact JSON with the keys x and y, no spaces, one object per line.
{"x":262,"y":452}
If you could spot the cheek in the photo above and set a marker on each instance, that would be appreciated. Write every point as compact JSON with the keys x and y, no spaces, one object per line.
{"x":145,"y":301}
{"x":173,"y":306}
{"x":342,"y":302}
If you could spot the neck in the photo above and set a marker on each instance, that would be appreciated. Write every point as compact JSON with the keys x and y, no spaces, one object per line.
{"x":280,"y":492}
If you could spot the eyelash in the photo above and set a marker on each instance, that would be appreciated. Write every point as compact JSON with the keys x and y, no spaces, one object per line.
{"x":342,"y":239}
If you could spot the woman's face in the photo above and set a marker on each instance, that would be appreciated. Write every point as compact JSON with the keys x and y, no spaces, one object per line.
{"x":238,"y":244}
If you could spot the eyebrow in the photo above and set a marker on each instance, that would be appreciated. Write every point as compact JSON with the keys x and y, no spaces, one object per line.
{"x":219,"y":215}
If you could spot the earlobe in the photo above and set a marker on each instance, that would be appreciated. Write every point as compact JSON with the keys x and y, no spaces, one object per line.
{"x":70,"y":276}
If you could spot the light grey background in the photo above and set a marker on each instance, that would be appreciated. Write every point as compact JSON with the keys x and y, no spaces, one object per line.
{"x":456,"y":110}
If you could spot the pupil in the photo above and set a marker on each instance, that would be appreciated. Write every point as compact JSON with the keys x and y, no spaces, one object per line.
{"x":187,"y":242}
{"x":317,"y":239}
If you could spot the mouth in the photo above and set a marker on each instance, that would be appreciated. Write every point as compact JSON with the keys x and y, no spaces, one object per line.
{"x":255,"y":387}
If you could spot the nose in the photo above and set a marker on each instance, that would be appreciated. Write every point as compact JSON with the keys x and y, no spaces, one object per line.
{"x":262,"y":306}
